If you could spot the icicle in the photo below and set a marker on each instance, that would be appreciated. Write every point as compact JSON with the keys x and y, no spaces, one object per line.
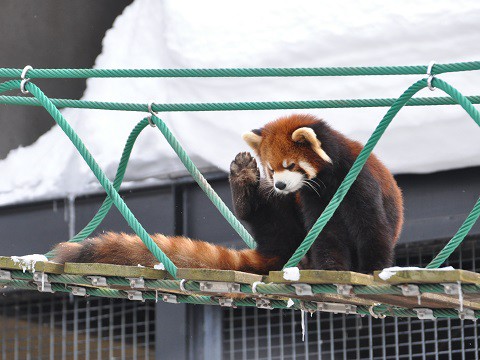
{"x":156,"y":296}
{"x":43,"y":281}
{"x":303,"y":324}
{"x":71,"y":215}
{"x":419,"y":299}
{"x":460,"y":295}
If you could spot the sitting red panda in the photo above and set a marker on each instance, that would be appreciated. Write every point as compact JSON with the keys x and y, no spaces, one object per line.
{"x":305,"y":162}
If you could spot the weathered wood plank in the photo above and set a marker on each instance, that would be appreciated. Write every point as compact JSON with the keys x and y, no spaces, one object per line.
{"x":115,"y":270}
{"x":48,"y":267}
{"x":428,"y":300}
{"x":430,"y":277}
{"x":323,"y":277}
{"x":218,"y":275}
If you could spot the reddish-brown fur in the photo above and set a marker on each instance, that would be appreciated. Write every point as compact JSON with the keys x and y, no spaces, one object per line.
{"x":313,"y":159}
{"x":126,"y":249}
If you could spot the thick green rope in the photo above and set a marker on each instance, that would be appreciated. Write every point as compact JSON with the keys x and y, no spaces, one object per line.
{"x":107,"y":203}
{"x":239,"y":72}
{"x":202,"y":182}
{"x":107,"y":185}
{"x":362,"y":159}
{"x":234,"y":106}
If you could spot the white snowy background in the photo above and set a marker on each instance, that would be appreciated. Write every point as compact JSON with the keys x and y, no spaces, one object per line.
{"x":211,"y":34}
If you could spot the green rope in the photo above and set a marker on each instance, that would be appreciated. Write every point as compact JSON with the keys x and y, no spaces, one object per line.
{"x":202,"y":182}
{"x":100,"y":175}
{"x":239,"y":72}
{"x":362,"y":159}
{"x":107,"y":203}
{"x":234,"y":106}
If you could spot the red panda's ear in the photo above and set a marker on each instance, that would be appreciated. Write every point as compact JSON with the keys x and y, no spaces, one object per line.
{"x":253,"y":139}
{"x":307,"y":135}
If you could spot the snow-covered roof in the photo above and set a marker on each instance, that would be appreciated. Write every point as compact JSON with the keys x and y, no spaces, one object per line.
{"x":211,"y":34}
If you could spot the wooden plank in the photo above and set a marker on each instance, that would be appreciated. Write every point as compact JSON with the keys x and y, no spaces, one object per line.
{"x":218,"y":275}
{"x":115,"y":270}
{"x":48,"y":267}
{"x":323,"y":277}
{"x":428,"y":300}
{"x":430,"y":277}
{"x":353,"y":300}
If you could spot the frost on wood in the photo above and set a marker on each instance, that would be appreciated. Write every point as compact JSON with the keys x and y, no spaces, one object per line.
{"x":28,"y":262}
{"x":292,"y":274}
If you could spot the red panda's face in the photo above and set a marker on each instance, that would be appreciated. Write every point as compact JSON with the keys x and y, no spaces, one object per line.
{"x":290,"y":155}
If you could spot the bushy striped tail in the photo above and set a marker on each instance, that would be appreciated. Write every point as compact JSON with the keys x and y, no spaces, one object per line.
{"x":125,"y":249}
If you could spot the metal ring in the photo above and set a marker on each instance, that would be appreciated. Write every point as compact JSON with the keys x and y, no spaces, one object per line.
{"x":22,"y":86}
{"x":376,"y":316}
{"x":182,"y":286}
{"x":150,"y":110}
{"x":430,"y":76}
{"x":254,"y":286}
{"x":25,"y":80}
{"x":24,"y":71}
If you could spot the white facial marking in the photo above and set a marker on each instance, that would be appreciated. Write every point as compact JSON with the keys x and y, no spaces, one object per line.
{"x":269,"y":167}
{"x":292,"y":180}
{"x":284,"y":163}
{"x":309,"y":169}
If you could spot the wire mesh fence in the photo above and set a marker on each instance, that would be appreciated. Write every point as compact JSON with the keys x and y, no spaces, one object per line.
{"x":250,"y":333}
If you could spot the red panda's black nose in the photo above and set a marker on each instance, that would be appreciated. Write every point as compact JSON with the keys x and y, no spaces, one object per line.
{"x":280,"y":185}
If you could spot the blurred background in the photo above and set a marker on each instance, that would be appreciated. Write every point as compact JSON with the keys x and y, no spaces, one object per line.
{"x":47,"y":194}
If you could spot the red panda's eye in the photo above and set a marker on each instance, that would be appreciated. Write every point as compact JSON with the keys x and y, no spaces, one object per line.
{"x":291,"y":166}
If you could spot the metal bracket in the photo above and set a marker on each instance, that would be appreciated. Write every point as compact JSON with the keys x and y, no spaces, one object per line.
{"x":98,"y":280}
{"x":170,"y":298}
{"x":302,"y":289}
{"x":39,"y":277}
{"x":45,"y":287}
{"x":467,"y":314}
{"x":337,"y":308}
{"x":344,"y":289}
{"x":137,"y":283}
{"x":409,"y":289}
{"x":425,"y":314}
{"x":41,"y":280}
{"x":219,"y":287}
{"x":5,"y":275}
{"x":135,"y":295}
{"x":225,"y":302}
{"x":78,"y":291}
{"x":263,"y":304}
{"x":451,"y":288}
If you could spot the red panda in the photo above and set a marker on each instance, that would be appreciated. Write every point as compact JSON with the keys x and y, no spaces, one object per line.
{"x":304,"y":157}
{"x":304,"y":162}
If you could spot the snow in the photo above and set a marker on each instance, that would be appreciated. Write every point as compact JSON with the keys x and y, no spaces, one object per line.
{"x":387,"y":273}
{"x":214,"y":34}
{"x":291,"y":273}
{"x":290,"y":303}
{"x":28,"y":262}
{"x":159,"y":266}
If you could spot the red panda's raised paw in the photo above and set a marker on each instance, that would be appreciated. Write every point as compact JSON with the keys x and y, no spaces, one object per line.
{"x":244,"y":169}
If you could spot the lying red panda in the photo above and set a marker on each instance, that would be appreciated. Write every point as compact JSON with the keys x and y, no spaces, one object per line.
{"x":304,"y":161}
